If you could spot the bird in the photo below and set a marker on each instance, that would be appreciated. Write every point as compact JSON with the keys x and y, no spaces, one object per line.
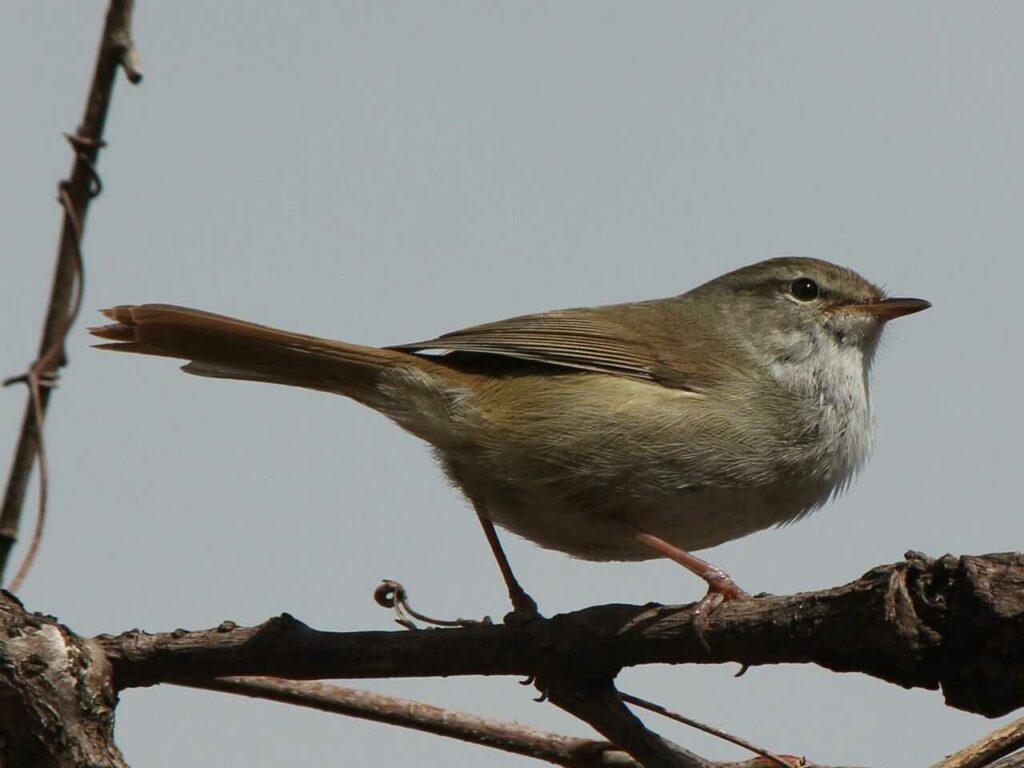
{"x":615,"y":433}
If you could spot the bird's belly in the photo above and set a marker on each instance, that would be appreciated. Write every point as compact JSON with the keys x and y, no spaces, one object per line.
{"x":695,"y":519}
{"x":607,"y":455}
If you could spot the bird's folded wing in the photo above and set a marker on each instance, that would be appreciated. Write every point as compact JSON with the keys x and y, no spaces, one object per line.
{"x":574,"y":338}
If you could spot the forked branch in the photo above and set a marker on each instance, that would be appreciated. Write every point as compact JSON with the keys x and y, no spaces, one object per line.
{"x":951,"y":623}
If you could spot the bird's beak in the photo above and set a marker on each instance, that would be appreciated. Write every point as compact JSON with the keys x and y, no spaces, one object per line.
{"x":889,"y":309}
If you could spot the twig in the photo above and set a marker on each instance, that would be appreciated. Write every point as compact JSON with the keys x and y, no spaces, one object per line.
{"x":43,"y":373}
{"x":509,"y":737}
{"x":75,"y":194}
{"x":391,"y":594}
{"x":658,"y":709}
{"x":598,"y":704}
{"x":36,"y":403}
{"x":984,"y":751}
{"x":515,"y":738}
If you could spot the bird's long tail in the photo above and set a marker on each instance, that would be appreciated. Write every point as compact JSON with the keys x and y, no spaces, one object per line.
{"x":227,"y":348}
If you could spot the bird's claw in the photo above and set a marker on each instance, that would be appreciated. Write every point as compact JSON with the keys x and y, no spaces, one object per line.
{"x":721,"y":589}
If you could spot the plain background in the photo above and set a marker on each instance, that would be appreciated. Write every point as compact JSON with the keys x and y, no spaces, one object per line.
{"x":387,"y":171}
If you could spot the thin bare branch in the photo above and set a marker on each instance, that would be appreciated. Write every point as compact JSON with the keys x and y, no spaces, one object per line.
{"x":116,"y":49}
{"x":36,"y":400}
{"x":658,"y":709}
{"x":508,"y":737}
{"x":391,"y":594}
{"x":597,"y":702}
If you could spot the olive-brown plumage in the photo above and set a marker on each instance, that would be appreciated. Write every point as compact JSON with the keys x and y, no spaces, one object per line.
{"x":695,"y":419}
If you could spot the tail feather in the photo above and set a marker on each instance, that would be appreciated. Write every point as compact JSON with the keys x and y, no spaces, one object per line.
{"x":225,"y":347}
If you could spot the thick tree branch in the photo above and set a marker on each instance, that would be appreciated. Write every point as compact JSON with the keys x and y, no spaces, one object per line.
{"x":953,"y":623}
{"x":56,"y":698}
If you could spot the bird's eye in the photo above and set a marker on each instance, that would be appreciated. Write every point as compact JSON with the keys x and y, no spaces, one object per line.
{"x":804,"y":289}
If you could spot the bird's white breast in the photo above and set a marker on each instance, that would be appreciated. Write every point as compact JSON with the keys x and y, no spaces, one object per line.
{"x":832,"y":378}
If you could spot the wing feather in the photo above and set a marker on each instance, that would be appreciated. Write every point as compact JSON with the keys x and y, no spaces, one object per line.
{"x":574,"y":338}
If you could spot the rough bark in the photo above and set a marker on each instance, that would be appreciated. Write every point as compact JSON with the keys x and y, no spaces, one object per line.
{"x":954,"y":623}
{"x":951,"y":623}
{"x":56,"y":697}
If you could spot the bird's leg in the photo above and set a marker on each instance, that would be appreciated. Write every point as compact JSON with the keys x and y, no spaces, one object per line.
{"x":522,"y":604}
{"x":721,"y":587}
{"x":718,"y":580}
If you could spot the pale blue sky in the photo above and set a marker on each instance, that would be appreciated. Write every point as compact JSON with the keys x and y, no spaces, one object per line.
{"x":384,"y":172}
